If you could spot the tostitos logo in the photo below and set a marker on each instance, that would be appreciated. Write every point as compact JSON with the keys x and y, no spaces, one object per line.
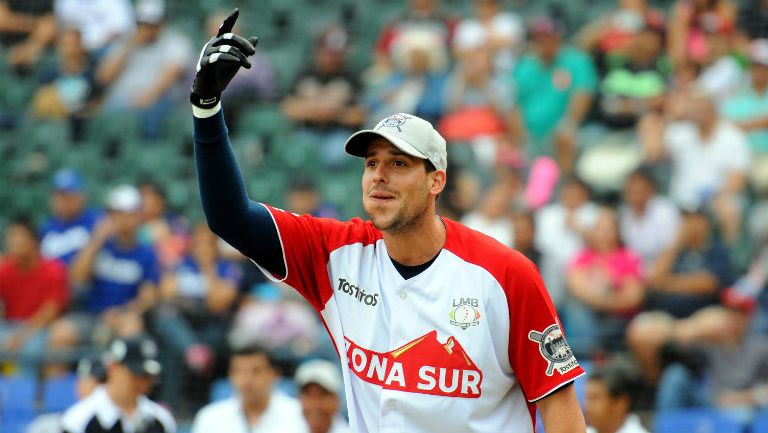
{"x":423,"y":366}
{"x":394,"y":121}
{"x":554,"y":349}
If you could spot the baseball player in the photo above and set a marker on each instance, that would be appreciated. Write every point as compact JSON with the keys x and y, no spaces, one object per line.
{"x":439,"y":328}
{"x":121,"y":405}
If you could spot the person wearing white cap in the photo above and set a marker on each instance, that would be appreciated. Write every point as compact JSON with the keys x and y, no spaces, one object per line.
{"x":120,"y":274}
{"x":439,"y":327}
{"x":319,"y":383}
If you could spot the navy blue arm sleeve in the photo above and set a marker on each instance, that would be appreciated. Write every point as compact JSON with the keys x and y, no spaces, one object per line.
{"x":242,"y":222}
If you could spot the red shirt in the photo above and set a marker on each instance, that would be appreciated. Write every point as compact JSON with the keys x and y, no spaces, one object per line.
{"x":24,"y":291}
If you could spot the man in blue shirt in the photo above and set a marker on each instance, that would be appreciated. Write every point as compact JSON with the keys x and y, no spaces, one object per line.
{"x":69,"y":227}
{"x":118,"y":271}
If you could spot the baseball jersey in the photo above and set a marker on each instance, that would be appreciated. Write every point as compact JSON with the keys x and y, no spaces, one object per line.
{"x":467,"y":345}
{"x":97,"y":413}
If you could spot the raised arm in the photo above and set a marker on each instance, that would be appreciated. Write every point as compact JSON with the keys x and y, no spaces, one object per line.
{"x":242,"y":222}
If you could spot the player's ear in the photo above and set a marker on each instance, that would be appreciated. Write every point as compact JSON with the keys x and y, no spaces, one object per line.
{"x":437,"y":179}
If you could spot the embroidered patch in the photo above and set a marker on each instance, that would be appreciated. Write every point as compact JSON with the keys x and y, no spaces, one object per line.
{"x":554,"y":349}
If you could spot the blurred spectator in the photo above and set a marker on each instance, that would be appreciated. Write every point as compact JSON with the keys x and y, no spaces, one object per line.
{"x":606,"y":286}
{"x":713,"y":360}
{"x":461,"y":193}
{"x":710,"y":163}
{"x":130,"y":84}
{"x":615,"y":32}
{"x":422,"y":17}
{"x":303,"y":198}
{"x":90,"y":375}
{"x":121,"y":404}
{"x":494,"y":32}
{"x":33,"y":292}
{"x":721,"y":73}
{"x":256,"y":407}
{"x":417,"y":85}
{"x":689,"y":273}
{"x":554,"y":85}
{"x":685,"y":278}
{"x":324,"y":97}
{"x":753,"y":19}
{"x":560,"y":229}
{"x":649,"y":221}
{"x":748,"y":107}
{"x":101,"y":22}
{"x":493,"y":215}
{"x":192,"y":317}
{"x":26,"y":29}
{"x":255,"y":85}
{"x":609,"y":399}
{"x":66,"y":91}
{"x":166,"y":232}
{"x":320,"y":386}
{"x":524,"y":235}
{"x":692,"y":23}
{"x":754,"y":283}
{"x":477,"y":106}
{"x":71,"y":223}
{"x":635,"y":80}
{"x":282,"y":322}
{"x":119,"y":274}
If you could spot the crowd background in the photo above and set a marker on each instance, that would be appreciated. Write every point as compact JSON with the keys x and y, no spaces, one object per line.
{"x":621,"y":145}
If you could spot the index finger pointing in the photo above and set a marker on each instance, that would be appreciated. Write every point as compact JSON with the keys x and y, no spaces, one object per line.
{"x":229,"y":23}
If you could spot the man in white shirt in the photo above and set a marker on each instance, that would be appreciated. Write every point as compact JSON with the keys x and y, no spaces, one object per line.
{"x":608,"y":401}
{"x":710,"y":163}
{"x":100,"y":22}
{"x":649,"y":222}
{"x":560,"y":231}
{"x":319,"y":383}
{"x":256,"y":407}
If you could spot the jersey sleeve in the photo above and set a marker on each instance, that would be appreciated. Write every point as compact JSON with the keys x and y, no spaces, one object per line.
{"x":539,"y":354}
{"x":306,"y":243}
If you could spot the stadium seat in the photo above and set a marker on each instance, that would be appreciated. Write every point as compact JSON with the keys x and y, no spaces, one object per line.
{"x":697,"y":421}
{"x":264,"y":120}
{"x":59,"y":393}
{"x":17,"y":402}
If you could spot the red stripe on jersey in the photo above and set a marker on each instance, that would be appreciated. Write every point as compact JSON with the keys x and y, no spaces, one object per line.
{"x":305,"y":239}
{"x":538,"y":353}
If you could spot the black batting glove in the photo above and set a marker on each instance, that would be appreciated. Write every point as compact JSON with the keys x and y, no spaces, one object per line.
{"x":219,"y":61}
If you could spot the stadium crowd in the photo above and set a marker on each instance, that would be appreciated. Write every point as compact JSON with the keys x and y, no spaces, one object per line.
{"x":625,"y":154}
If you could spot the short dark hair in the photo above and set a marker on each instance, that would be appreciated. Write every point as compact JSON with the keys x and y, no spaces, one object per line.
{"x":620,"y":379}
{"x":25,"y":222}
{"x":153,"y":186}
{"x":428,"y":166}
{"x":253,"y":349}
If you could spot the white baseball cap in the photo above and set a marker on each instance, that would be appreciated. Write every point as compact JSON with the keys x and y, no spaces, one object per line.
{"x":125,"y":198}
{"x":413,"y":135}
{"x":150,"y":11}
{"x":321,"y":372}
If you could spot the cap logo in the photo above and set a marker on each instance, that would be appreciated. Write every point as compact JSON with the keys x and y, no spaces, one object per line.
{"x":394,"y":121}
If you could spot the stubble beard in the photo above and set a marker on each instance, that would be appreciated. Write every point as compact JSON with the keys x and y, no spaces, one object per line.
{"x":404,"y":221}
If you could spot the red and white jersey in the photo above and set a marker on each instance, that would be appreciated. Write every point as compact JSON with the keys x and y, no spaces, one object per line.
{"x":465,"y":346}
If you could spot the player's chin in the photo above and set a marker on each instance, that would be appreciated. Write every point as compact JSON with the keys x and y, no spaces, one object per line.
{"x":381,"y":220}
